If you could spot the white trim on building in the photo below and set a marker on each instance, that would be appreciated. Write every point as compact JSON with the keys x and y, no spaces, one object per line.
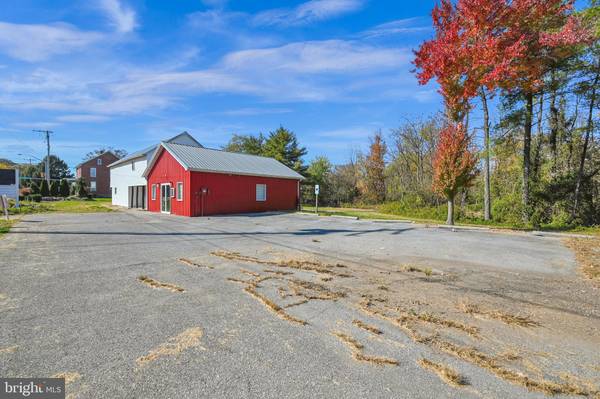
{"x":128,"y":172}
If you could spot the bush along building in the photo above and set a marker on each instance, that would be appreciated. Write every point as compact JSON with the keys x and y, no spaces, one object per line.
{"x":191,"y":180}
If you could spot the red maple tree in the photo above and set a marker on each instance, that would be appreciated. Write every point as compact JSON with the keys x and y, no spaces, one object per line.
{"x":507,"y":44}
{"x":453,"y":164}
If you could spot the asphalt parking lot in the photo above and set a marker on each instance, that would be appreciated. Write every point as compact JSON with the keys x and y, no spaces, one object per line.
{"x":138,"y":305}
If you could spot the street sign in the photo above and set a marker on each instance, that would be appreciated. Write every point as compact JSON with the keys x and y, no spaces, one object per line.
{"x":317,"y":189}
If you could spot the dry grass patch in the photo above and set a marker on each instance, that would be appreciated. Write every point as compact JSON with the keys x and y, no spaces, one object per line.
{"x":189,"y":338}
{"x":476,"y":357}
{"x":278,"y":272}
{"x":587,"y":253}
{"x":349,"y":341}
{"x":357,"y":351}
{"x":158,"y":285}
{"x":9,"y":349}
{"x":194,"y":264}
{"x":446,"y":373}
{"x":272,"y":306}
{"x":69,"y":376}
{"x":299,"y":264}
{"x":430,"y":318}
{"x":310,"y":290}
{"x":367,"y":327}
{"x":301,"y":302}
{"x":377,"y":360}
{"x":414,"y":269}
{"x":250,"y":273}
{"x":507,"y":318}
{"x":237,"y":280}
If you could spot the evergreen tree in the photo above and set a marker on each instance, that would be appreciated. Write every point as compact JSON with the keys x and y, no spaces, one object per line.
{"x":246,"y":144}
{"x":282,"y":145}
{"x":81,"y":188}
{"x":58,"y":168}
{"x":64,"y":188}
{"x":35,"y":187}
{"x":54,"y":188}
{"x":44,"y":188}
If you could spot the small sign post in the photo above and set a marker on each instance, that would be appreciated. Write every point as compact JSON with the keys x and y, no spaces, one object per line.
{"x":4,"y":201}
{"x":317,"y":189}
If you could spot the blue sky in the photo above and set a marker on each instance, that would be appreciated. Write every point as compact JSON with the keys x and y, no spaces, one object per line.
{"x":128,"y":73}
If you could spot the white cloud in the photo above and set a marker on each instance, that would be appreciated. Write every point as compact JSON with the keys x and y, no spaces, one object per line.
{"x":34,"y":43}
{"x":308,"y":12}
{"x":84,"y":118}
{"x":330,"y":56}
{"x":399,"y":26}
{"x":121,"y":17}
{"x":297,"y":72}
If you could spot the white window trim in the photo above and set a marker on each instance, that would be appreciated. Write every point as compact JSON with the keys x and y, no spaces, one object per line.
{"x":99,"y":162}
{"x":179,"y":191}
{"x":154,"y":192}
{"x":172,"y":191}
{"x":264,"y":192}
{"x":93,"y":187}
{"x":93,"y":172}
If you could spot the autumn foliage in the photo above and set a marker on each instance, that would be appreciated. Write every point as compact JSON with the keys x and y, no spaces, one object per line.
{"x":375,"y":170}
{"x":495,"y":44}
{"x":454,"y":162}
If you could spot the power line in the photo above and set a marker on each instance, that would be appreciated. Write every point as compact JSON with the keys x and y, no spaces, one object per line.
{"x":47,"y":169}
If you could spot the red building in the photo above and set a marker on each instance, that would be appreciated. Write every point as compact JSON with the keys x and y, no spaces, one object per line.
{"x":196,"y":181}
{"x":96,"y":174}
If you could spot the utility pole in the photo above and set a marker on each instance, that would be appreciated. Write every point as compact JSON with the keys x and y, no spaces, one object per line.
{"x":47,"y":169}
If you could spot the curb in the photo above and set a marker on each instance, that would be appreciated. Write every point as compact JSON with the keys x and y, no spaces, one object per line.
{"x":474,"y":228}
{"x":390,"y":221}
{"x":560,"y":235}
{"x":343,"y":217}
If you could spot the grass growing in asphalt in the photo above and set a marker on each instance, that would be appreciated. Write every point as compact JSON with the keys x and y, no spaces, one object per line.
{"x":157,"y":284}
{"x":5,"y":226}
{"x":445,"y":373}
{"x":189,"y":338}
{"x":518,"y":320}
{"x":95,"y":205}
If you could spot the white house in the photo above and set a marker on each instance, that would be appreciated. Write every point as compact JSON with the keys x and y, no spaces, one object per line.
{"x":9,"y":183}
{"x":127,"y":183}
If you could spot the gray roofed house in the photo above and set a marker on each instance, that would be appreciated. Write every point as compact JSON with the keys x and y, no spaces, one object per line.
{"x":200,"y":159}
{"x":127,"y":184}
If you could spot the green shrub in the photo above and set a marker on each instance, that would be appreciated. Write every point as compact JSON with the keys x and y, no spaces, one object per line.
{"x":64,"y":189}
{"x":81,"y":188}
{"x":35,"y":197}
{"x":44,"y":188}
{"x":34,"y":188}
{"x":54,"y":188}
{"x":508,"y":210}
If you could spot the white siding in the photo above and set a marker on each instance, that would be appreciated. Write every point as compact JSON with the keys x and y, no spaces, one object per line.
{"x":10,"y":191}
{"x":122,"y":177}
